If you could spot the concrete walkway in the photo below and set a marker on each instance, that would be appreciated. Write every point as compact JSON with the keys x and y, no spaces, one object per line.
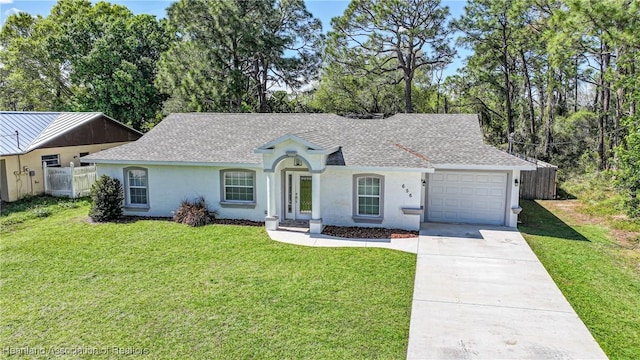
{"x":300,"y":238}
{"x":479,"y":293}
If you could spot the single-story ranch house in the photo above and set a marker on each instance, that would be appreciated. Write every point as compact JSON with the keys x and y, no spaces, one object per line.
{"x":396,"y":172}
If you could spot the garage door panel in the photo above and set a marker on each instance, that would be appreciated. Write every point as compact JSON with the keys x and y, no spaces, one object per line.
{"x":495,"y":205}
{"x":461,"y":215}
{"x":469,"y":197}
{"x":451,"y":203}
{"x":436,"y":202}
{"x":496,"y":192}
{"x":466,"y":191}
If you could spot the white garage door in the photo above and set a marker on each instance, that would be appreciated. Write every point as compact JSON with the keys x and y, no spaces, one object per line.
{"x":467,"y":197}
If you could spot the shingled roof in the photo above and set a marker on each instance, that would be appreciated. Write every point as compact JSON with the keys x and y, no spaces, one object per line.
{"x":400,"y":141}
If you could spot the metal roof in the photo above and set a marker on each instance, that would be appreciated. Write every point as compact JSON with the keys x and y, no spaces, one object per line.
{"x":21,"y":132}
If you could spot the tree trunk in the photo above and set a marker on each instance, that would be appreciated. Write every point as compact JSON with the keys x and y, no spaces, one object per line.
{"x":632,"y":102}
{"x":605,"y":99}
{"x":575,"y":92}
{"x":542,"y":110}
{"x":549,"y":121}
{"x":508,"y":88}
{"x":261,"y":77}
{"x":623,"y":72}
{"x":532,"y":115}
{"x":408,"y":103}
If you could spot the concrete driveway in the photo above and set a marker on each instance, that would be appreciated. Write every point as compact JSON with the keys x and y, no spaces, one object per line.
{"x":481,"y":293}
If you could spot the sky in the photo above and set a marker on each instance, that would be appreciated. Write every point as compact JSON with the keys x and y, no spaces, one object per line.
{"x":324,"y":10}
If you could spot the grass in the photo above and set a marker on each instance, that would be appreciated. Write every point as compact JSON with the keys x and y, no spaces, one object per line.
{"x":35,"y":207}
{"x":172,"y":291}
{"x":599,"y":197}
{"x":600,"y":278}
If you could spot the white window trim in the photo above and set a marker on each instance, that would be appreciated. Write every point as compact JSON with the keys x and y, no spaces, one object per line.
{"x":127,"y":195}
{"x":375,"y":219}
{"x":236,"y":203}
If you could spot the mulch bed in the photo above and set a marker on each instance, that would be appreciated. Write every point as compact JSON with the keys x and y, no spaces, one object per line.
{"x":368,"y":233}
{"x":132,"y":219}
{"x":350,"y":232}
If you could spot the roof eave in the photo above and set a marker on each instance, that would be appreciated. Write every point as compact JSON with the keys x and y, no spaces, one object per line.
{"x":13,"y":154}
{"x":172,"y":163}
{"x":382,"y":168}
{"x":523,"y":167}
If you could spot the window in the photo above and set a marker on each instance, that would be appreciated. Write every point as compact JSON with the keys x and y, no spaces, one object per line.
{"x":238,"y":187}
{"x":51,"y":160}
{"x":136,"y":187}
{"x":368,"y":202}
{"x":81,"y":155}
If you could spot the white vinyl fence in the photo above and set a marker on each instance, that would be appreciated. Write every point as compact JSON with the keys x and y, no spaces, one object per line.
{"x":71,"y":181}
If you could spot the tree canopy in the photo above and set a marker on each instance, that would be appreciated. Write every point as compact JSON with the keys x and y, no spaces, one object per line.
{"x":83,"y":57}
{"x":392,"y":39}
{"x":227,"y":54}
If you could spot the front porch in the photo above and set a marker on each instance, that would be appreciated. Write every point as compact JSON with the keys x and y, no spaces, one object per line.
{"x":293,"y":167}
{"x":295,"y":202}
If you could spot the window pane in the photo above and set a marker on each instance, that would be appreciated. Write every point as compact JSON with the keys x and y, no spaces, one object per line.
{"x":238,"y":193}
{"x":138,"y":178}
{"x":138,"y":195}
{"x":368,"y":186}
{"x":375,"y":187}
{"x":369,"y":205}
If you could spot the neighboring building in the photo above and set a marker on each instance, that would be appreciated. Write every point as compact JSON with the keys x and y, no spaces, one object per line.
{"x":395,"y":172}
{"x":27,"y":139}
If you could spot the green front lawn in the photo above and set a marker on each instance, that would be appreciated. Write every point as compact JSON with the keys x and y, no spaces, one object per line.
{"x":599,"y":277}
{"x":176,"y":292}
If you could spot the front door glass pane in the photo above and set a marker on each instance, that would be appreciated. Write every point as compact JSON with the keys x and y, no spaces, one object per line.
{"x":289,"y":193}
{"x":305,"y":194}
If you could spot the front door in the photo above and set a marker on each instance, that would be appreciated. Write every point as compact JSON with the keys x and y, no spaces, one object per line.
{"x":297,"y":195}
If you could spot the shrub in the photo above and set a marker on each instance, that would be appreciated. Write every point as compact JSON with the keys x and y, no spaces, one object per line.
{"x":107,"y":196}
{"x":193,"y":213}
{"x":41,"y":212}
{"x":68,"y":204}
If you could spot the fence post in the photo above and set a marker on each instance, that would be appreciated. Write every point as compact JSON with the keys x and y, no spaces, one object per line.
{"x":46,"y":177}
{"x":73,"y":182}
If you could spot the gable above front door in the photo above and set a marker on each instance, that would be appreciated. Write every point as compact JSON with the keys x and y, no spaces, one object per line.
{"x":311,"y":153}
